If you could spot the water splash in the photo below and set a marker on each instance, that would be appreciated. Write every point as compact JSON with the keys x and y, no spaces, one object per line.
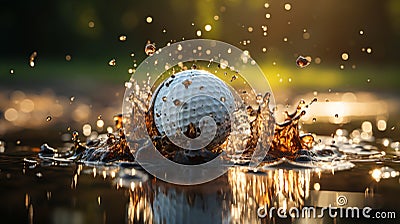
{"x":105,"y":149}
{"x":254,"y":129}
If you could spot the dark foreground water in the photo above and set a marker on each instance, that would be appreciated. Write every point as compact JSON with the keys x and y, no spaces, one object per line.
{"x":76,"y":193}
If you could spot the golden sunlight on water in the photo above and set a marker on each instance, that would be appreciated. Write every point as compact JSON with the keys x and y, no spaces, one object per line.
{"x":276,"y":188}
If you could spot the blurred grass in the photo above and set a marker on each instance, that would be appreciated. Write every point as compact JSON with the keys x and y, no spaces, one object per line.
{"x":322,"y":78}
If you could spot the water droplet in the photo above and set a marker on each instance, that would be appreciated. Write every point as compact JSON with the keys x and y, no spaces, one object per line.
{"x":250,"y":29}
{"x":75,"y":134}
{"x":198,"y":33}
{"x":187,"y":83}
{"x":18,"y":142}
{"x":369,"y":50}
{"x":32,"y":59}
{"x":259,"y":98}
{"x":368,"y":80}
{"x":177,"y":102}
{"x":68,"y":57}
{"x":266,"y":5}
{"x":336,"y":115}
{"x":91,"y":24}
{"x":216,"y":17}
{"x":201,"y":87}
{"x":314,"y":119}
{"x":288,"y":6}
{"x":361,"y":32}
{"x":341,"y":67}
{"x":306,"y":36}
{"x":234,"y":77}
{"x":267,"y":15}
{"x":149,"y":19}
{"x":264,"y":49}
{"x":345,"y":56}
{"x":112,"y":62}
{"x":285,"y":39}
{"x":164,"y":30}
{"x":302,"y":62}
{"x":128,"y":85}
{"x":11,"y":71}
{"x":194,"y":66}
{"x":392,"y":128}
{"x":207,"y":27}
{"x":122,"y":38}
{"x":39,"y":174}
{"x":164,"y":98}
{"x":149,"y":49}
{"x":71,"y":99}
{"x":48,"y":118}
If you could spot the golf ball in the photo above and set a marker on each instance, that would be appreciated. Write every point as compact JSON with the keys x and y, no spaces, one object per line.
{"x":184,"y":99}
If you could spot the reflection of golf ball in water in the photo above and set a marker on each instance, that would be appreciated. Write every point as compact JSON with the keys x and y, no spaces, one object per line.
{"x":183,"y":101}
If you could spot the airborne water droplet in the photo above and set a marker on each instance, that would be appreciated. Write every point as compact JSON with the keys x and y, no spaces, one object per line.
{"x":149,"y":49}
{"x":302,"y":62}
{"x":32,"y":59}
{"x":122,"y":38}
{"x":48,"y":118}
{"x":314,"y":119}
{"x":149,"y":19}
{"x":112,"y":62}
{"x":345,"y":56}
{"x":336,"y":115}
{"x":259,"y":98}
{"x":128,"y":85}
{"x":11,"y":71}
{"x":91,"y":24}
{"x":164,"y":98}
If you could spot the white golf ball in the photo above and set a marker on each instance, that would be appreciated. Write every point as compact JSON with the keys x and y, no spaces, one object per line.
{"x":187,"y":97}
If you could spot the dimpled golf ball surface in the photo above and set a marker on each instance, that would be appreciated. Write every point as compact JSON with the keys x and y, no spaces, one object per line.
{"x":189,"y":96}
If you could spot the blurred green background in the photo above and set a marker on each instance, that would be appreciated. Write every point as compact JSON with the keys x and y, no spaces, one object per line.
{"x":76,"y":40}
